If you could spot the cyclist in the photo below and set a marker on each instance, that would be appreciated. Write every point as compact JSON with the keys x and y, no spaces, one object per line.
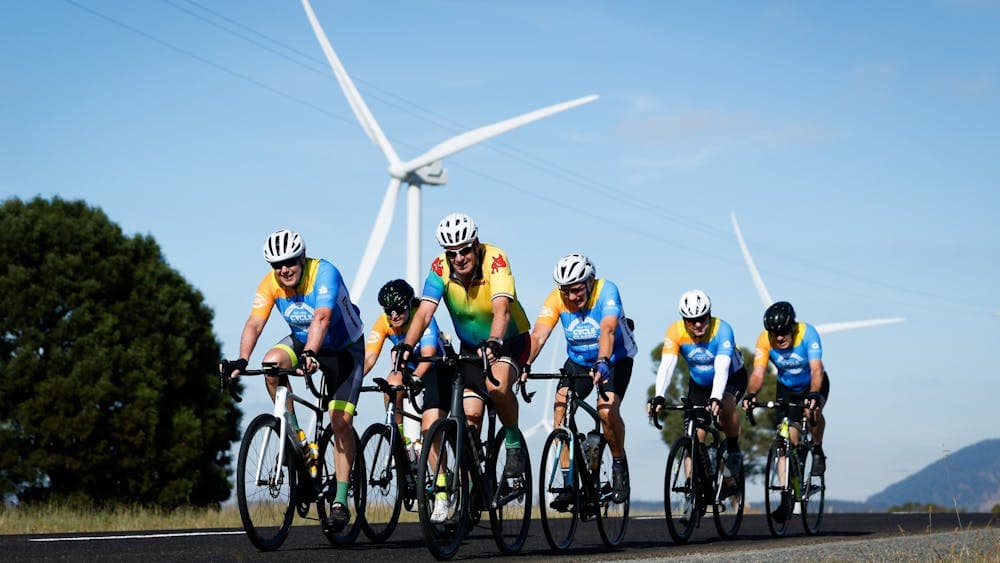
{"x":475,"y":281}
{"x":398,"y":302}
{"x":599,"y":342}
{"x":326,"y":334}
{"x":795,"y":349}
{"x":718,"y":377}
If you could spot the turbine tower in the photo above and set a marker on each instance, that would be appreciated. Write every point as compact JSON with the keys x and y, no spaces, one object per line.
{"x":765,"y":297}
{"x":426,"y":169}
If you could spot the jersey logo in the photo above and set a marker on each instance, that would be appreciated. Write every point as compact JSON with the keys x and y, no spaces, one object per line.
{"x":323,"y":290}
{"x":258,"y":301}
{"x":546,"y":312}
{"x":498,"y":262}
{"x":436,"y":266}
{"x":373,"y":337}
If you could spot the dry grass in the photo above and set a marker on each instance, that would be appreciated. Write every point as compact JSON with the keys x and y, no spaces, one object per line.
{"x":52,"y":518}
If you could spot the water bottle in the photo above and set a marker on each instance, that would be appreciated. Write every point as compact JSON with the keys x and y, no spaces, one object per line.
{"x":783,"y":428}
{"x":311,"y":452}
{"x":592,"y":446}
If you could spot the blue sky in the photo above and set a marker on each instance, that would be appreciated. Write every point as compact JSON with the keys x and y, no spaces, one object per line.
{"x":856,"y":143}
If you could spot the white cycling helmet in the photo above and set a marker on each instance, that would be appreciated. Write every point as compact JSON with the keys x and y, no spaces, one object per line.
{"x":282,"y":245}
{"x":694,"y":303}
{"x":457,"y":229}
{"x":573,"y":268}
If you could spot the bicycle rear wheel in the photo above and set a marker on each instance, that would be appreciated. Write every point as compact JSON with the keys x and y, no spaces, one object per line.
{"x":357,"y":490}
{"x":383,"y":482}
{"x":813,"y":497}
{"x":511,"y":514}
{"x":265,"y":490}
{"x":728,"y":509}
{"x":441,"y":482}
{"x":559,"y":523}
{"x":680,"y":502}
{"x":778,"y":501}
{"x":612,"y":517}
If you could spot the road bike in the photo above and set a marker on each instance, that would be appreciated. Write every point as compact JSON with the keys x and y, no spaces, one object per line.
{"x":459,"y":469}
{"x":276,"y":477}
{"x":575,"y":476}
{"x":789,"y":484}
{"x":391,"y":474}
{"x":696,"y":479}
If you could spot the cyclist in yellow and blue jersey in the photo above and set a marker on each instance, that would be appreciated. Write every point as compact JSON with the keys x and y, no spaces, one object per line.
{"x":718,"y":377}
{"x":797,"y":353}
{"x":398,"y":303}
{"x":475,"y":282}
{"x":599,"y":342}
{"x":326,"y":333}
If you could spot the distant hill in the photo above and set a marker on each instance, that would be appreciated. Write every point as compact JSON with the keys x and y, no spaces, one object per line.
{"x":970,"y":477}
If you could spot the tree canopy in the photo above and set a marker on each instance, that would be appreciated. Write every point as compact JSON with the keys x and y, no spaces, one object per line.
{"x":108,"y":388}
{"x":754,"y":440}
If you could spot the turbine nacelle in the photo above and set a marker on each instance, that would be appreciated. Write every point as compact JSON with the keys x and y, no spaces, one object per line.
{"x":433,"y":174}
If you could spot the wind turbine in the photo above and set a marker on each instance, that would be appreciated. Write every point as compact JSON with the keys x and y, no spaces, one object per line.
{"x":425,"y":169}
{"x":765,"y":297}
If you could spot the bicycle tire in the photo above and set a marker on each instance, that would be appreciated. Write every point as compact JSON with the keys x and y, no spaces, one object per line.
{"x":727,"y":511}
{"x":267,"y":504}
{"x":356,"y":491}
{"x":384,"y":483}
{"x":813,"y":497}
{"x":777,"y":494}
{"x":680,"y":486}
{"x":612,"y":517}
{"x":442,"y":538}
{"x":510,"y":510}
{"x":559,"y":526}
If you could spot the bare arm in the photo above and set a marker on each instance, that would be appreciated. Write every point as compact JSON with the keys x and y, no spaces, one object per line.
{"x":251,"y":332}
{"x":421,"y":320}
{"x":539,"y":336}
{"x":606,"y":342}
{"x":501,"y":316}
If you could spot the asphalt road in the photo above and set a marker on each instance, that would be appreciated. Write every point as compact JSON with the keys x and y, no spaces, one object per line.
{"x":647,"y":538}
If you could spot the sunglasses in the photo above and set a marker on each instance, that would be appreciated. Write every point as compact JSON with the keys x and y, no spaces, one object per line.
{"x":573,"y":290}
{"x":399,"y":310}
{"x":451,"y":254}
{"x":702,"y":319}
{"x":291,"y":262}
{"x":783,"y":334}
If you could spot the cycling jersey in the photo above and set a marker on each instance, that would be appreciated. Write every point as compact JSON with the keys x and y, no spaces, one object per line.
{"x":582,"y":327}
{"x":700,"y":354}
{"x":321,"y":286}
{"x":383,"y":329}
{"x":471,"y":308}
{"x":792,"y":363}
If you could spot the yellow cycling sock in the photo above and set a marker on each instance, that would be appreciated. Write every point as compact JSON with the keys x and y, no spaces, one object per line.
{"x":442,"y":481}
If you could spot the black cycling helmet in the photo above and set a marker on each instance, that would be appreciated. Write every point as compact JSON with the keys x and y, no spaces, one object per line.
{"x":395,"y":294}
{"x":779,"y":318}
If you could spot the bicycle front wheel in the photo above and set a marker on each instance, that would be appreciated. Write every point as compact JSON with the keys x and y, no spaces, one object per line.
{"x":357,"y":491}
{"x":265,"y":489}
{"x":559,"y":490}
{"x":680,"y":500}
{"x":442,"y":491}
{"x":383,"y":482}
{"x":612,"y":516}
{"x":813,"y":497}
{"x":778,"y":498}
{"x":728,"y":507}
{"x":511,"y":502}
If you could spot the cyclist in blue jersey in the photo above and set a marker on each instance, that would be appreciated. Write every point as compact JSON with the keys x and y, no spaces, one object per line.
{"x":398,"y":302}
{"x":796,"y":352}
{"x":718,"y":377}
{"x":326,"y":334}
{"x":599,"y":342}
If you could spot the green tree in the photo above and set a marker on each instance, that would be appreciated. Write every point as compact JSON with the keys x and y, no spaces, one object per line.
{"x":108,"y":392}
{"x":754,"y":440}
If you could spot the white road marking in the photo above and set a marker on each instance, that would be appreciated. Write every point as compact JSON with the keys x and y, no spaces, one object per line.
{"x":137,"y":536}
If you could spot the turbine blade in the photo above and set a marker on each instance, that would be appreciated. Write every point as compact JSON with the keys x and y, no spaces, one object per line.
{"x":467,"y":139}
{"x":827,"y":328}
{"x":376,"y":240}
{"x":765,"y":297}
{"x":354,"y":98}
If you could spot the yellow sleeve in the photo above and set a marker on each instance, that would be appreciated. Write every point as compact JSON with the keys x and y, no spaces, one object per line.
{"x":671,"y":341}
{"x":549,"y":314}
{"x":263,"y":300}
{"x":373,"y":345}
{"x":497,"y":269}
{"x":763,"y":352}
